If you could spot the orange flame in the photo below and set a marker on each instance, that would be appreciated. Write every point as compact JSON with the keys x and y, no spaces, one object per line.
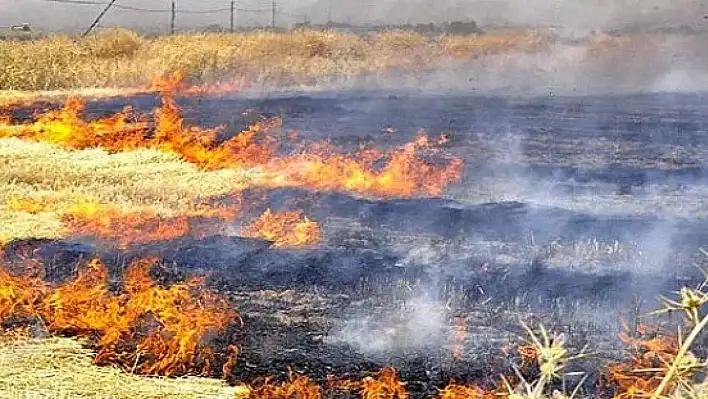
{"x":19,"y":296}
{"x":176,"y":82}
{"x":286,"y":229}
{"x":641,"y":376}
{"x":110,"y":224}
{"x":146,"y":328}
{"x":385,"y":386}
{"x":459,"y":335}
{"x":123,"y":131}
{"x":169,"y":83}
{"x":296,"y":387}
{"x":456,"y":391}
{"x":405,"y":172}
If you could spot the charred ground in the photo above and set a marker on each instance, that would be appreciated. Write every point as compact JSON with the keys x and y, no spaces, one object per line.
{"x":571,"y":212}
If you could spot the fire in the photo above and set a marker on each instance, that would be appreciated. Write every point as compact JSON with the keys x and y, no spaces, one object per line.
{"x":404,"y":173}
{"x":169,"y":83}
{"x":385,"y":386}
{"x":456,"y":391}
{"x":19,"y":296}
{"x":144,"y":328}
{"x":296,"y":387}
{"x":125,"y":131}
{"x":199,"y":146}
{"x":110,"y":224}
{"x":459,"y":336}
{"x":653,"y":351}
{"x":285,"y":229}
{"x":176,"y":82}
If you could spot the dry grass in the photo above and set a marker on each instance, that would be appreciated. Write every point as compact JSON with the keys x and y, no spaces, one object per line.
{"x":60,"y":368}
{"x":120,"y":58}
{"x":38,"y":181}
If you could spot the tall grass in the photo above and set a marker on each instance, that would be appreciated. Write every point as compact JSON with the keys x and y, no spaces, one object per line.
{"x":121,"y":58}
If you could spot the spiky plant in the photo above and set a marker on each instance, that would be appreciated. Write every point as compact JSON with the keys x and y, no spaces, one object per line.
{"x":552,"y":358}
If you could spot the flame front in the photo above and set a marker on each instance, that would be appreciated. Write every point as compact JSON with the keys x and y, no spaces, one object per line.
{"x":299,"y":387}
{"x":110,"y":224}
{"x":285,"y":229}
{"x":404,"y":172}
{"x":145,"y":328}
{"x":651,"y":354}
{"x":459,"y":336}
{"x":124,"y":131}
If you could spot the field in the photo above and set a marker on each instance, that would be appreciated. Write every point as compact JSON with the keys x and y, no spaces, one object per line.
{"x":118,"y":58}
{"x":163,"y":218}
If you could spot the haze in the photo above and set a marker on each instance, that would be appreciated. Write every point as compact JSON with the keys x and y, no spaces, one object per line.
{"x":576,"y":14}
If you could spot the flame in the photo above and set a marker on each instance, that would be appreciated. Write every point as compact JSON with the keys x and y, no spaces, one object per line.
{"x":457,"y":391}
{"x":642,"y":374}
{"x":296,"y":387}
{"x":169,"y":82}
{"x":459,"y":335}
{"x":385,"y":386}
{"x":19,"y":296}
{"x":145,"y":328}
{"x":405,"y":171}
{"x":286,"y":229}
{"x":404,"y":174}
{"x":110,"y":224}
{"x":176,"y":82}
{"x":124,"y":131}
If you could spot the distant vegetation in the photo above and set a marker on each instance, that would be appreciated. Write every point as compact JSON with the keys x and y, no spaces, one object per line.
{"x":122,"y":58}
{"x":448,"y":28}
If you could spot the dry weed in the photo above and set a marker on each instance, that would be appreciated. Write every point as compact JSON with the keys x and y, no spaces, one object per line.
{"x":121,"y":58}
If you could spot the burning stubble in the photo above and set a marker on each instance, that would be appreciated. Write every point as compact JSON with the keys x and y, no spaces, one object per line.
{"x":145,"y":328}
{"x":524,"y":249}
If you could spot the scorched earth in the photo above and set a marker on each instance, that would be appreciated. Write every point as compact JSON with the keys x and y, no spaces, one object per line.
{"x":339,"y":243}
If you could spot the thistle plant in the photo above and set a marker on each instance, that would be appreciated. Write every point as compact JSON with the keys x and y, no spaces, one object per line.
{"x":552,"y":358}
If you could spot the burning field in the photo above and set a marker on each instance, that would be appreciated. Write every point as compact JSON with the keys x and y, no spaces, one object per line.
{"x":359,"y":244}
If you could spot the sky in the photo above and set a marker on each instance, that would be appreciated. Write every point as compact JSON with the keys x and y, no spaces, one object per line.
{"x":580,"y":14}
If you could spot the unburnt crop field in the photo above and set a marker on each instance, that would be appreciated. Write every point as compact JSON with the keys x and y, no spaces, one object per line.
{"x":347,"y":243}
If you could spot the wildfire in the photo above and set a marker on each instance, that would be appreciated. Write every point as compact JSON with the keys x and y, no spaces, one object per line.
{"x":402,"y":172}
{"x":110,"y":224}
{"x":456,"y":391}
{"x":144,"y":328}
{"x":385,"y":385}
{"x":125,"y":131}
{"x":176,"y":82}
{"x":286,"y":229}
{"x":299,"y":387}
{"x":651,"y":354}
{"x":459,"y":335}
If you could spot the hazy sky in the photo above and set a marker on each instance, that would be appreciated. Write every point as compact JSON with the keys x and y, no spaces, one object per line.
{"x":571,"y":13}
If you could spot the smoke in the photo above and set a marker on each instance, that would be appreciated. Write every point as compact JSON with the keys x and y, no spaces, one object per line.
{"x":598,"y":14}
{"x":417,"y":324}
{"x":570,"y":14}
